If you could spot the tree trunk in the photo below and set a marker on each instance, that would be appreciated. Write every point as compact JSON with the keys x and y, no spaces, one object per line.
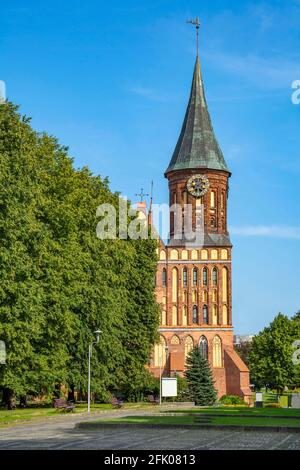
{"x":8,"y":399}
{"x":23,"y":401}
{"x":71,"y":393}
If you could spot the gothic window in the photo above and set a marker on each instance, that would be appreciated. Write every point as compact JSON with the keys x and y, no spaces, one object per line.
{"x":203,"y":345}
{"x":194,"y":254}
{"x":215,"y":276}
{"x":205,"y":276}
{"x":162,"y":255}
{"x":205,"y":314}
{"x":174,"y":316}
{"x":195,"y":314}
{"x":217,"y":352}
{"x":213,"y":199}
{"x":225,"y":284}
{"x":175,"y":340}
{"x":214,"y":254}
{"x":224,"y":254}
{"x":174,"y":254}
{"x":204,"y":254}
{"x":184,"y":277}
{"x":164,"y":277}
{"x":184,"y":254}
{"x":184,"y":316}
{"x":188,"y":345}
{"x":195,"y":277}
{"x":174,"y":284}
{"x":160,"y":355}
{"x":204,"y":296}
{"x":215,"y":315}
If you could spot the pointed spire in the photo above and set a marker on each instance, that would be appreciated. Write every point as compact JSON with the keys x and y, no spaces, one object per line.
{"x":197,"y":146}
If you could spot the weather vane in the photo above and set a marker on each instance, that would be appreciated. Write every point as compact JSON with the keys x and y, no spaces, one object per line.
{"x":196,"y":22}
{"x":142,"y":194}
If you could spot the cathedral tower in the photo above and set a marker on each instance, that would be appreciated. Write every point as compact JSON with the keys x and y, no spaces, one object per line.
{"x":193,"y":283}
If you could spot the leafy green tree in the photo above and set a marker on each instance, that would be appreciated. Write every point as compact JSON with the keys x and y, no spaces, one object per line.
{"x":271,"y":357}
{"x":59,"y":282}
{"x":199,"y":377}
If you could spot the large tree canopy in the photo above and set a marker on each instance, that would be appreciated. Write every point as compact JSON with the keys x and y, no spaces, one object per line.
{"x":59,"y":282}
{"x":271,"y":356}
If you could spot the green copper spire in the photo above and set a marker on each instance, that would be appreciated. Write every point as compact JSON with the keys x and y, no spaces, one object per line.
{"x":197,"y":146}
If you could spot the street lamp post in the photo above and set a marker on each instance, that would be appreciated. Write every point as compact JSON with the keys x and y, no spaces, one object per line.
{"x":160,"y":374}
{"x":97,"y":333}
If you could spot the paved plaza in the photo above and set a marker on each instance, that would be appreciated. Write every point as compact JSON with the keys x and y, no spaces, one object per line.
{"x":61,"y":433}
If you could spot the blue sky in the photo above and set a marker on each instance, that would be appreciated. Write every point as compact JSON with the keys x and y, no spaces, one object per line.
{"x":111,"y":80}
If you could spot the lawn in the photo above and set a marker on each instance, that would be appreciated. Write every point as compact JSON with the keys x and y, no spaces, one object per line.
{"x":34,"y":412}
{"x":235,"y":411}
{"x":231,"y":420}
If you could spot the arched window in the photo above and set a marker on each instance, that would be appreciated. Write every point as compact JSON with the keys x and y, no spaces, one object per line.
{"x":184,"y":316}
{"x":184,"y":254}
{"x":195,"y":314}
{"x":204,"y":296}
{"x":184,"y":277}
{"x":215,"y":276}
{"x":174,"y":316}
{"x":175,"y":340}
{"x":174,"y":284}
{"x":204,"y":254}
{"x":214,"y":254}
{"x":194,"y":254}
{"x":224,"y":284}
{"x":188,"y":345}
{"x":163,"y":320}
{"x":195,"y":277}
{"x":215,"y":314}
{"x":203,"y":345}
{"x":205,"y":314}
{"x":174,"y":254}
{"x":213,"y":199}
{"x":195,"y":296}
{"x":160,"y":355}
{"x":205,"y":276}
{"x":164,"y":277}
{"x":162,"y":255}
{"x":224,"y":254}
{"x":217,"y":352}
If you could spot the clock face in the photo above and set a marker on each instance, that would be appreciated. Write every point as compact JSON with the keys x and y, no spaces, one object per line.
{"x":198,"y":185}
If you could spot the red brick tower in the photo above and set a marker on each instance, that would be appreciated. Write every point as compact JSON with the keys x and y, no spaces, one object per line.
{"x":194,"y":282}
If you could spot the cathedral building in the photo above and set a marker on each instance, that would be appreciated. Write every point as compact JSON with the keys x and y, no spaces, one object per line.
{"x":193,"y":284}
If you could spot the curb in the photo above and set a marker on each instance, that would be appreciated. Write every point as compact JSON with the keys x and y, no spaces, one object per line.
{"x":91,"y":426}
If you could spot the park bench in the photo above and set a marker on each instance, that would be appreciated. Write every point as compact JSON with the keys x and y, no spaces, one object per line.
{"x":116,"y":403}
{"x":62,"y":404}
{"x":152,"y":399}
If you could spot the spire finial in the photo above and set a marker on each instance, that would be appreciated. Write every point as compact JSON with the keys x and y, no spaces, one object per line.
{"x":196,"y":22}
{"x":142,"y":194}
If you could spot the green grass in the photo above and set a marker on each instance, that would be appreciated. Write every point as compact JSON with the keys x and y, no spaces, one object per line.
{"x":235,"y":411}
{"x":214,"y":420}
{"x":36,"y":411}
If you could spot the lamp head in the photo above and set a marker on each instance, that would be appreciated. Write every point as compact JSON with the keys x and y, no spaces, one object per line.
{"x":97,"y":333}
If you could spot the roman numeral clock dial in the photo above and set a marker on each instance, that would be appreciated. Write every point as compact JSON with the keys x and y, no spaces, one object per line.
{"x":198,"y":185}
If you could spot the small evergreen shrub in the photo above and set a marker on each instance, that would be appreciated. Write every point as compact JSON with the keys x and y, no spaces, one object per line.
{"x":231,"y":400}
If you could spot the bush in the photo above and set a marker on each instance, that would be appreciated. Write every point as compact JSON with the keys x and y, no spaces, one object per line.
{"x":231,"y":400}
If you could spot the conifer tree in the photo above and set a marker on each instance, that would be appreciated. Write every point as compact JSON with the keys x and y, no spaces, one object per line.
{"x":200,"y":379}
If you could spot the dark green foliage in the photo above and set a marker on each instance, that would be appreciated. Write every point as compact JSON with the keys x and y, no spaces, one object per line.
{"x":199,"y":377}
{"x":59,"y":282}
{"x":231,"y":400}
{"x":270,"y":359}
